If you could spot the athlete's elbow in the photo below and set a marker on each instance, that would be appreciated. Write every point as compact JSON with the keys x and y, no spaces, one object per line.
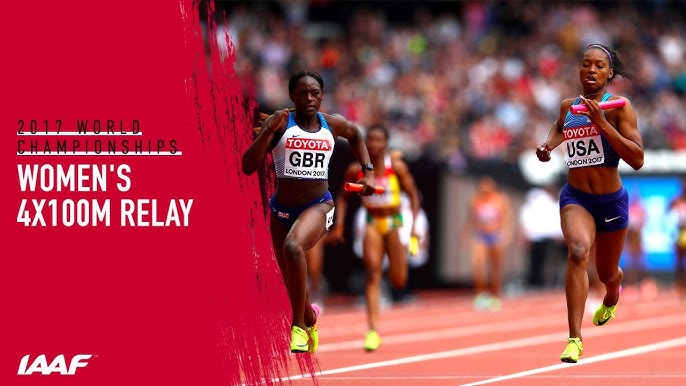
{"x":247,"y":167}
{"x":248,"y":171}
{"x":637,"y":164}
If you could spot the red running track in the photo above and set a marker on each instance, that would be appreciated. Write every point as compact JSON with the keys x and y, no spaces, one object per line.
{"x":441,"y":340}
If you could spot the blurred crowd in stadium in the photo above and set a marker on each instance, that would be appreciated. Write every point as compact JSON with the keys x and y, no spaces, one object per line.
{"x":478,"y":79}
{"x":463,"y":86}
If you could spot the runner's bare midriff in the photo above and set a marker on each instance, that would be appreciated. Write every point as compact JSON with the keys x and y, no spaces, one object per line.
{"x":293,"y":192}
{"x":383,"y":212}
{"x":595,"y":180}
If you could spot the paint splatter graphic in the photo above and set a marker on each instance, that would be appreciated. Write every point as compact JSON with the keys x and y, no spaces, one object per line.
{"x":253,"y":327}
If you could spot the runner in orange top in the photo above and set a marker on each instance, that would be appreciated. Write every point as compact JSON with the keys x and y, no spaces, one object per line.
{"x":490,"y":222}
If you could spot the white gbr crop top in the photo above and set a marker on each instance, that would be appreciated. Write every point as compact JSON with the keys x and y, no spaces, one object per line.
{"x":304,"y":155}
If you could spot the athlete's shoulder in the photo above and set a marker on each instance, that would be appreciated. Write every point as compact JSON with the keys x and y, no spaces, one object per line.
{"x":398,"y":164}
{"x":614,"y":97}
{"x":568,"y":102}
{"x":395,"y":154}
{"x":503,"y":198}
{"x":625,"y":111}
{"x":477,"y":200}
{"x":332,"y":118}
{"x":337,"y":120}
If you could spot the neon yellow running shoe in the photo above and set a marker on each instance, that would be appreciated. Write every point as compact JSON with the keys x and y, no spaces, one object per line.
{"x":313,"y":341}
{"x":573,"y":350}
{"x":299,"y":340}
{"x":603,"y":314}
{"x":494,"y":304}
{"x":313,"y":332}
{"x":372,"y":341}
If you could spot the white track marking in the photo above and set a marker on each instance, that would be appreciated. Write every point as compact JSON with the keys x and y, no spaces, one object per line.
{"x":431,"y":332}
{"x":617,"y":328}
{"x":542,"y":376}
{"x":598,"y":358}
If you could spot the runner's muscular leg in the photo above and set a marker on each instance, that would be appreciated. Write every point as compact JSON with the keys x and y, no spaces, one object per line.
{"x":278,"y":234}
{"x":609,"y":246}
{"x":496,"y":254}
{"x":397,"y":256}
{"x":314,"y":258}
{"x":479,"y":251}
{"x":578,"y":228}
{"x":306,"y":231}
{"x":373,"y":251}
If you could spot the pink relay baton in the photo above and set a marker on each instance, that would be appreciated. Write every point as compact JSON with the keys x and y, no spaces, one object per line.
{"x":352,"y":187}
{"x":576,"y":109}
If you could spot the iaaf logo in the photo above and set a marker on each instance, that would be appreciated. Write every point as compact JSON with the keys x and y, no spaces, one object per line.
{"x":58,"y":365}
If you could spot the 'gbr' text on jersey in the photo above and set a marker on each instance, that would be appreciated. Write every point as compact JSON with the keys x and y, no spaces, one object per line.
{"x":304,"y":152}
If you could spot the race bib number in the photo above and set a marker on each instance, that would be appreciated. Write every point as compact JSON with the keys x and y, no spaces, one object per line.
{"x":329,"y":218}
{"x":306,"y":158}
{"x":583,"y":147}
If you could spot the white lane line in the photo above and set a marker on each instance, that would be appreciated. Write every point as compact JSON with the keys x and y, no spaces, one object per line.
{"x":542,"y":376}
{"x":434,"y":332}
{"x":598,"y":358}
{"x":395,"y":320}
{"x":618,"y":328}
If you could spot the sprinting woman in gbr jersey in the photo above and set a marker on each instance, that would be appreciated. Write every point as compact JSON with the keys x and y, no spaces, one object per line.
{"x":302,"y":207}
{"x":594,"y":204}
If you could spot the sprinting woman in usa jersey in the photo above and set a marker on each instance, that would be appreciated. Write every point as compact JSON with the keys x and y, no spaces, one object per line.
{"x":594,"y":204}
